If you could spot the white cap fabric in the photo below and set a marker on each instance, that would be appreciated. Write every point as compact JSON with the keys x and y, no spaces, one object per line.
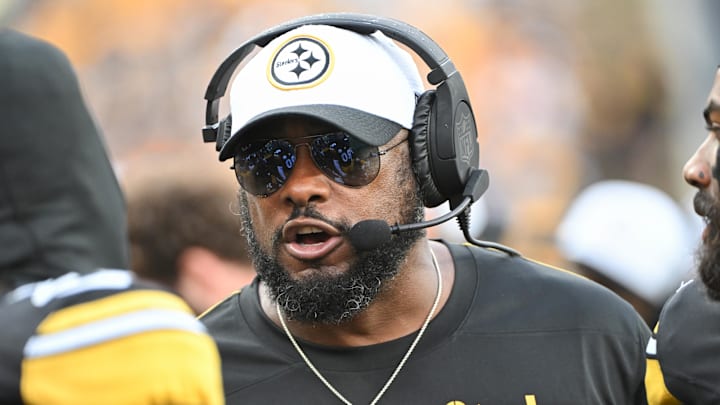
{"x":363,"y":84}
{"x":632,"y":233}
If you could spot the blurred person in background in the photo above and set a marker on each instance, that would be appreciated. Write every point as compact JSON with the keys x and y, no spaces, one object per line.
{"x":77,"y":327}
{"x":683,"y":353}
{"x":631,"y":237}
{"x":183,"y":232}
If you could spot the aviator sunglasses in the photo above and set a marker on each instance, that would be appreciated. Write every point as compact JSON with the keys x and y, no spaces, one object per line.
{"x":263,"y":166}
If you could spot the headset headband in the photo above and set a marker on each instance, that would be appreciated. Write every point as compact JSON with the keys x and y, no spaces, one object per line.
{"x":441,"y":66}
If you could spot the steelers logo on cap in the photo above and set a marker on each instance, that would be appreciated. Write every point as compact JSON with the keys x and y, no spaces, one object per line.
{"x":300,"y":62}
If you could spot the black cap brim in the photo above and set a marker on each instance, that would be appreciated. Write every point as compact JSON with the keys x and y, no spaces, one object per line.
{"x":367,"y":127}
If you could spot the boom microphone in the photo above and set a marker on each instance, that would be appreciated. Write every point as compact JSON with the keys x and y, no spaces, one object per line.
{"x":374,"y":233}
{"x":369,"y":234}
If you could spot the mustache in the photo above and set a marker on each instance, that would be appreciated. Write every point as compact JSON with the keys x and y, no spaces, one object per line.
{"x":705,"y":205}
{"x":311,"y":212}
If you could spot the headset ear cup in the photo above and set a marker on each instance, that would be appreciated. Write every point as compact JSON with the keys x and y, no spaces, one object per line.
{"x":223,"y":132}
{"x":420,"y":135}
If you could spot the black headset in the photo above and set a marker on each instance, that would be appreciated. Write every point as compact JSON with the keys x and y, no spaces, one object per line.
{"x":443,"y":139}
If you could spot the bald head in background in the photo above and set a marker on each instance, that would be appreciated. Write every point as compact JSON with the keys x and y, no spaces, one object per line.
{"x":182,"y":229}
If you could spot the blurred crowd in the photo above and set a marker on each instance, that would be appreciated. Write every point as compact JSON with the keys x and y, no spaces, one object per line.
{"x":565,"y":93}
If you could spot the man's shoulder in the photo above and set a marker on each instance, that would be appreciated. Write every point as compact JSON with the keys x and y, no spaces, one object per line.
{"x":219,"y":315}
{"x":691,"y":294}
{"x":81,"y":292}
{"x":552,"y":296}
{"x":103,"y":305}
{"x":535,"y":275}
{"x":95,"y":309}
{"x":688,"y":315}
{"x":85,"y":322}
{"x":687,"y":343}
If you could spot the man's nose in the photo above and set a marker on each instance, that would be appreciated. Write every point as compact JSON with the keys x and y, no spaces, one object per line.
{"x":306,"y":183}
{"x":697,"y":171}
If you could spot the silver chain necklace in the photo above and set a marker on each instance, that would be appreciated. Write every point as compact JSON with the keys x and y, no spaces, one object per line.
{"x":399,"y":366}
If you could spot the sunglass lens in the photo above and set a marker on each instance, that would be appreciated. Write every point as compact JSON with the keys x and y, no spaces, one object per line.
{"x":345,"y":159}
{"x":263,"y":167}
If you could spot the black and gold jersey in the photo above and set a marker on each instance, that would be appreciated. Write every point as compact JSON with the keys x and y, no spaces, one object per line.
{"x":104,"y":338}
{"x":512,"y":332}
{"x":684,"y":350}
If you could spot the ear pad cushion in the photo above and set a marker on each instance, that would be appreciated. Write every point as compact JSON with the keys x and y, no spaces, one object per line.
{"x":420,"y":150}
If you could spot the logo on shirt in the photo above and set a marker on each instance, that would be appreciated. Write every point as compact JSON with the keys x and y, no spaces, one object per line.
{"x":529,"y":400}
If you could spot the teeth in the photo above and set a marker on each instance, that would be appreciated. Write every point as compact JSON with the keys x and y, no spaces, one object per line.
{"x":306,"y":230}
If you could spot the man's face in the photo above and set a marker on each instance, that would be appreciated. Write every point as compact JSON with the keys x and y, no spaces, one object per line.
{"x":702,"y":171}
{"x":297,"y":234}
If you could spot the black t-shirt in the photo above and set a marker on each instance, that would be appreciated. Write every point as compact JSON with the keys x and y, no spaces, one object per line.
{"x":686,"y":347}
{"x":512,"y":332}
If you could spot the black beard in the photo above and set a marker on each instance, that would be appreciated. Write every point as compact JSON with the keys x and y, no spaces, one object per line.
{"x":708,"y":255}
{"x":333,"y":299}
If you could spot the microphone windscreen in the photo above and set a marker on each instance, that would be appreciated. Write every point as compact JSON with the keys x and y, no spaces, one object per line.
{"x":369,"y":234}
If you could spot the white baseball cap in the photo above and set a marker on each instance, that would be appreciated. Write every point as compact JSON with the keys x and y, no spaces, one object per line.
{"x":632,"y":233}
{"x":363,"y":84}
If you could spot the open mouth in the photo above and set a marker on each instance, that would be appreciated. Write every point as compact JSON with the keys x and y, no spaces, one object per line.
{"x":310,"y":235}
{"x":310,"y":239}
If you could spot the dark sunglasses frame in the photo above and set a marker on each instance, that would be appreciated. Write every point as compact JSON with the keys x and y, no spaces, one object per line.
{"x":354,"y":163}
